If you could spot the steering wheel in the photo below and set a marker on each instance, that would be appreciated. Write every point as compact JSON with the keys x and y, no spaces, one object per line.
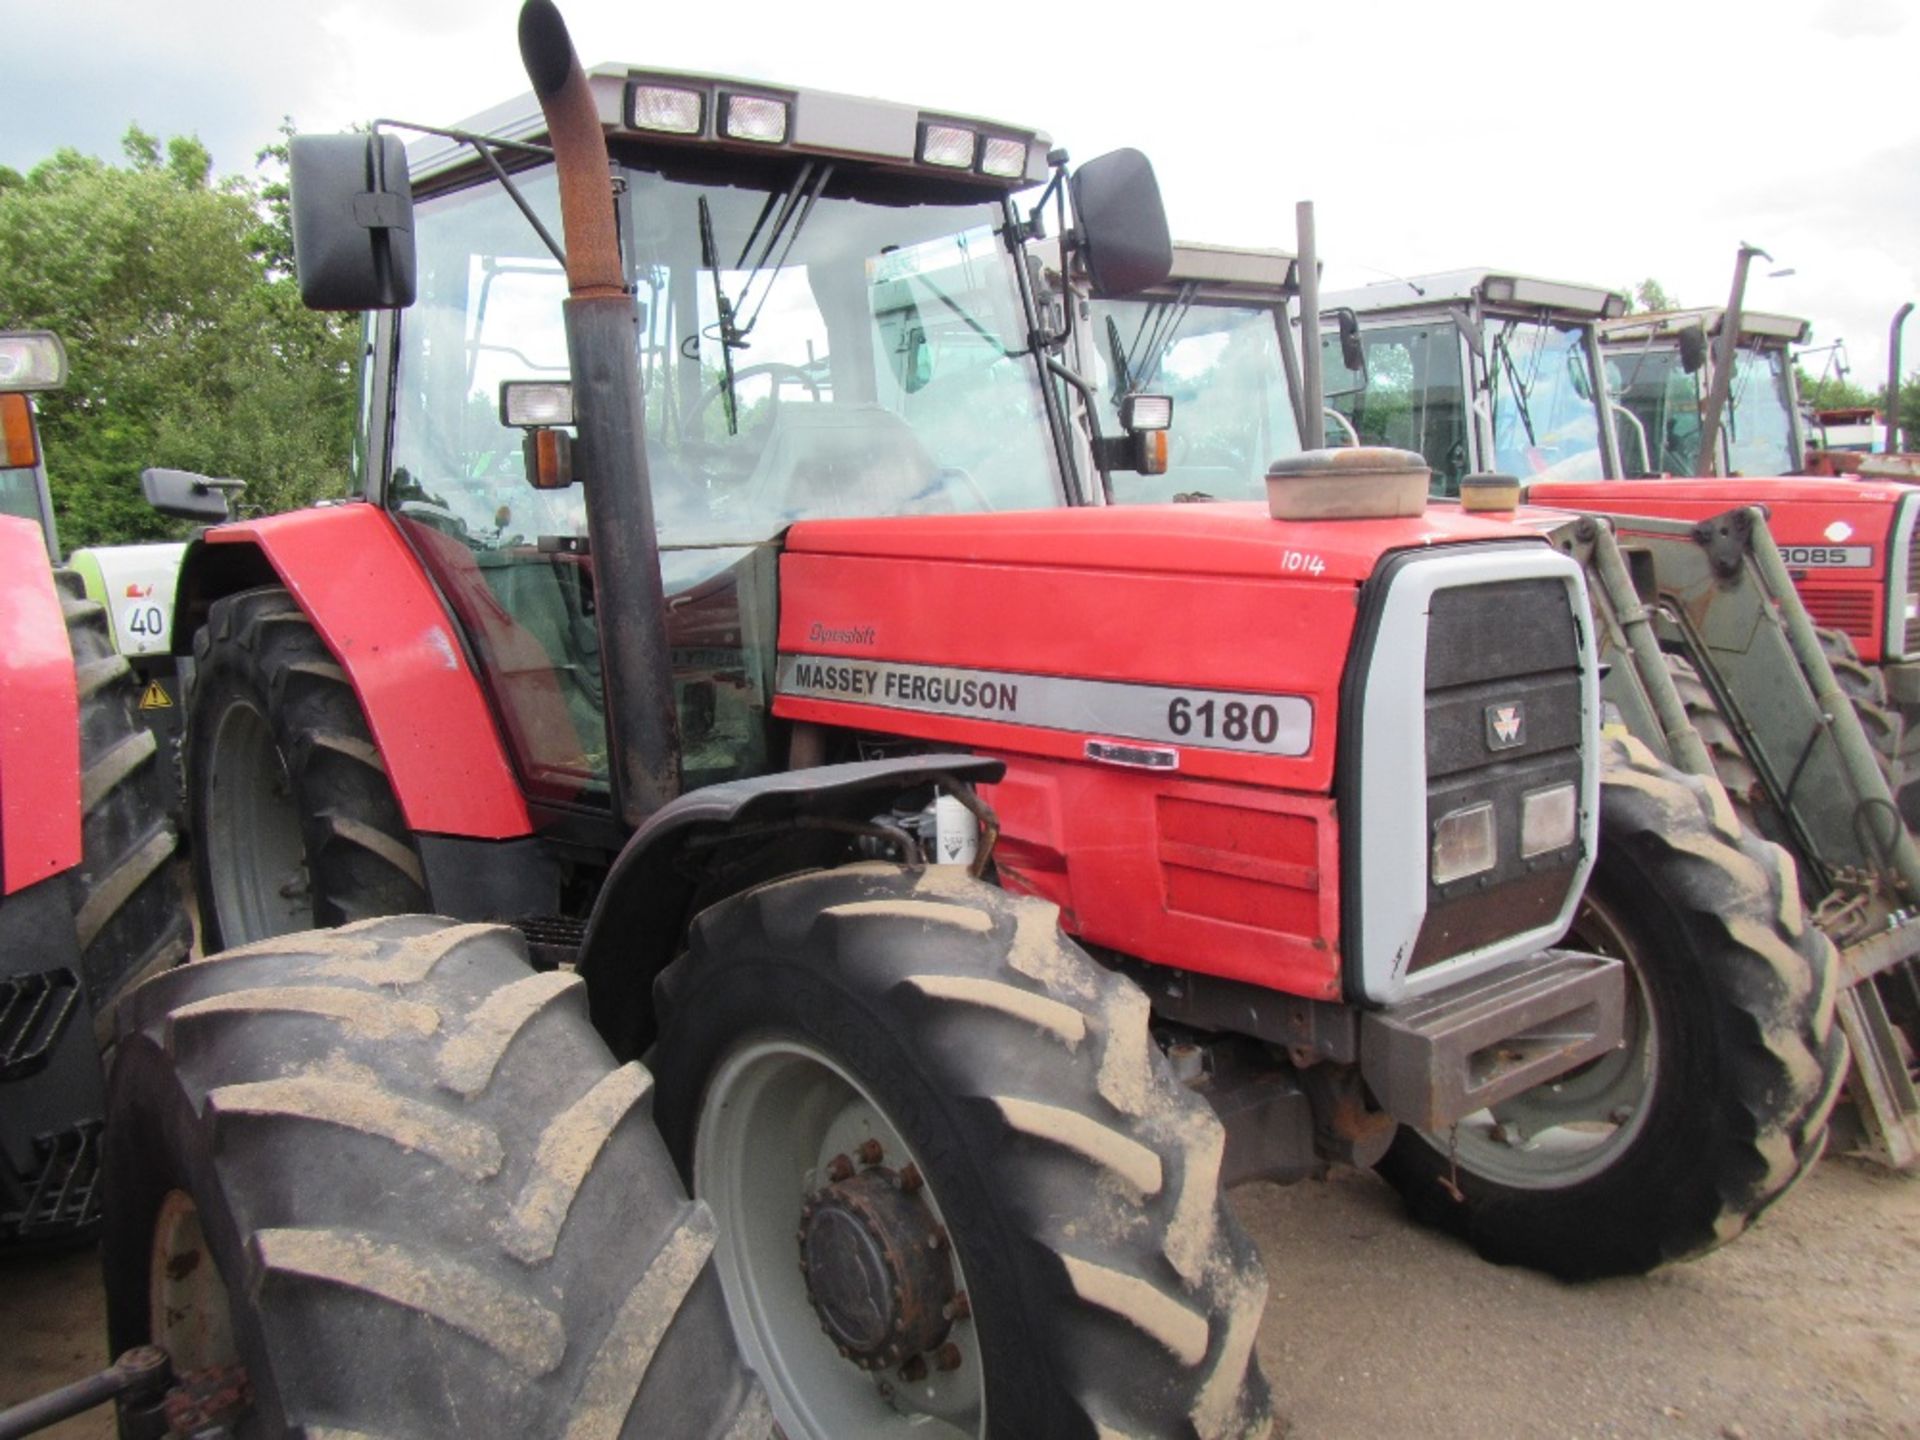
{"x":779,"y":369}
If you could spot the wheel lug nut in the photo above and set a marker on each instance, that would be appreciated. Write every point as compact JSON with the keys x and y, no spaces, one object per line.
{"x":869,"y":1152}
{"x":914,"y":1371}
{"x":958,"y":1308}
{"x":937,"y":1240}
{"x":839,"y":1168}
{"x":910,"y":1180}
{"x":947,"y":1357}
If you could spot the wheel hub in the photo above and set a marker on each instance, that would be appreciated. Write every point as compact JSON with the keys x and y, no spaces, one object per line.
{"x":876,"y":1267}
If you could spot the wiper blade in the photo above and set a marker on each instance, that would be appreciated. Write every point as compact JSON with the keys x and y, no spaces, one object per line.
{"x":1117,"y":351}
{"x":729,"y":337}
{"x":1503,"y":361}
{"x":791,"y":220}
{"x":1163,"y":321}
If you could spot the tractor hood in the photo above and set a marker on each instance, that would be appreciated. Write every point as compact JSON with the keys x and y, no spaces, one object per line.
{"x":1219,"y":539}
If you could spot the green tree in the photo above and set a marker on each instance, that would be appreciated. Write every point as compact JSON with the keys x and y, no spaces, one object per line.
{"x":187,"y":340}
{"x":1650,"y":294}
{"x":1832,"y":392}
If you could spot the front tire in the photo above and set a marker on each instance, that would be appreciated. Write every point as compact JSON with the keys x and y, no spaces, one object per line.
{"x":924,"y":1061}
{"x":395,"y":1175}
{"x":295,"y":822}
{"x":1733,"y":1063}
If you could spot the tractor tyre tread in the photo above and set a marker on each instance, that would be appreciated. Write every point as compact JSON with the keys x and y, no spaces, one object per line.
{"x":129,"y":917}
{"x":437,"y":1203}
{"x":1075,"y":1172}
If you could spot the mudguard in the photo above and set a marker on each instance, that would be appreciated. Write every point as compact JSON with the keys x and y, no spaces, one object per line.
{"x":375,"y":608}
{"x":39,"y":717}
{"x":640,"y":916}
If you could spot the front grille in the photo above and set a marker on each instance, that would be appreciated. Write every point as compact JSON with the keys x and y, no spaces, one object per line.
{"x":1841,"y":608}
{"x":1504,"y":718}
{"x":34,"y":1012}
{"x":1910,"y":634}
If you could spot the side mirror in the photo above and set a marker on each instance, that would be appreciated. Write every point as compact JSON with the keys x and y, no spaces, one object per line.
{"x":352,"y":221}
{"x":1693,"y":349}
{"x":1352,"y":353}
{"x":1467,"y":320}
{"x":187,"y":496}
{"x":1124,"y":240}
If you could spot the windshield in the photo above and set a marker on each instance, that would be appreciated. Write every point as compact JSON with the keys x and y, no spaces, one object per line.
{"x":1232,"y":410}
{"x":879,"y":370}
{"x":1412,"y":397}
{"x":805,"y":352}
{"x":1545,"y":421}
{"x":1650,"y":383}
{"x":1760,"y":416}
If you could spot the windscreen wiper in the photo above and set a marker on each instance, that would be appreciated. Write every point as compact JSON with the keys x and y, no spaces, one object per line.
{"x":1503,"y":360}
{"x":1161,"y":323}
{"x":729,"y":337}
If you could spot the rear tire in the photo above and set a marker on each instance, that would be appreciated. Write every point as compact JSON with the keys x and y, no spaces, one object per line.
{"x":129,"y":917}
{"x":127,"y":920}
{"x":396,"y":1175}
{"x":295,"y":822}
{"x":955,"y":1028}
{"x":1737,"y":1057}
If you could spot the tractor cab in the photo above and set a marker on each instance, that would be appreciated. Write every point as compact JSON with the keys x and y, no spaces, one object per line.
{"x":1479,"y":371}
{"x":1660,"y":368}
{"x":1214,"y":340}
{"x":834,"y":320}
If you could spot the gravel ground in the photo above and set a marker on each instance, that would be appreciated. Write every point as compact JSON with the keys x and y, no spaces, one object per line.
{"x":1809,"y":1326}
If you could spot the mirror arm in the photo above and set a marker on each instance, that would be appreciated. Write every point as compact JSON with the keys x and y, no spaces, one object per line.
{"x":484,"y":146}
{"x":1090,"y":399}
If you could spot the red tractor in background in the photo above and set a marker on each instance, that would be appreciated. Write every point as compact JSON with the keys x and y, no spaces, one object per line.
{"x":88,"y":898}
{"x":698,"y":601}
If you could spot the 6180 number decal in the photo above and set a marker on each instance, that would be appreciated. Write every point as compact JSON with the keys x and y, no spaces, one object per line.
{"x":1235,"y":721}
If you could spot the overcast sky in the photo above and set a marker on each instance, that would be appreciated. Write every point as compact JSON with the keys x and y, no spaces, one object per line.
{"x":1601,"y":143}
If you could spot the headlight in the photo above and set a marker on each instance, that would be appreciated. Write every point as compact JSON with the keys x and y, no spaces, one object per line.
{"x":1549,"y":820}
{"x":1463,"y":843}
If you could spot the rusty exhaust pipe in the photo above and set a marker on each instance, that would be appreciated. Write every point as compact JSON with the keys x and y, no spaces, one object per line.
{"x":609,"y":410}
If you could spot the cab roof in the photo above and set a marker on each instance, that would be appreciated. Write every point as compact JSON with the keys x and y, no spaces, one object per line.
{"x":1754,"y":325}
{"x":1497,"y":288}
{"x":819,"y":122}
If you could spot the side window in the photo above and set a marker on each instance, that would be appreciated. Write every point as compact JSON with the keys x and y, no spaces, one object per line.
{"x":1414,"y":397}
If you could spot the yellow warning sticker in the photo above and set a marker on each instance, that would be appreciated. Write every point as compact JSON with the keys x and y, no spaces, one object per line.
{"x":155,"y":697}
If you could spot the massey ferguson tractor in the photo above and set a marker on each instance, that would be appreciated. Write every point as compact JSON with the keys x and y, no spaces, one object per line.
{"x":725,"y":667}
{"x":87,"y":899}
{"x":1712,"y":660}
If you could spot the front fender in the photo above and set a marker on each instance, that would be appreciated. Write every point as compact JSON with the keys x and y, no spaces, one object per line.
{"x":369,"y":597}
{"x":639,"y":920}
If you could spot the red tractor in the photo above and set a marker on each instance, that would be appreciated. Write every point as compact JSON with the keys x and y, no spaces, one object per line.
{"x":716,"y":618}
{"x":88,"y":905}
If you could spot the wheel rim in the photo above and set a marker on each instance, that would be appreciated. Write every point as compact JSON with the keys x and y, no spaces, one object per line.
{"x":255,"y":854}
{"x":187,"y":1309}
{"x":776,"y":1116}
{"x":1576,"y":1126}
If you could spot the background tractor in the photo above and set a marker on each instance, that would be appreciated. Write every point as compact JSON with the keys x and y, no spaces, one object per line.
{"x":815,"y":612}
{"x":88,"y":904}
{"x":1714,"y":662}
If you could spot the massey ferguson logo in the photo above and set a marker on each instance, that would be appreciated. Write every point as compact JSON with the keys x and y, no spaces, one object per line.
{"x":1506,"y":726}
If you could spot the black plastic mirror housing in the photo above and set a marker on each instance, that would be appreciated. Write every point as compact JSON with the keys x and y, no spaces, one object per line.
{"x":352,"y":221}
{"x":1693,"y":349}
{"x":187,"y":496}
{"x":1124,"y":240}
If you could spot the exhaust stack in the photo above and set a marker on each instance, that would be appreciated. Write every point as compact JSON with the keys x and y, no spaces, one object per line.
{"x":642,"y":724}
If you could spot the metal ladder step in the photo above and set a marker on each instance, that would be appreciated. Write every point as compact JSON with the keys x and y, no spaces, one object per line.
{"x":1880,"y":1084}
